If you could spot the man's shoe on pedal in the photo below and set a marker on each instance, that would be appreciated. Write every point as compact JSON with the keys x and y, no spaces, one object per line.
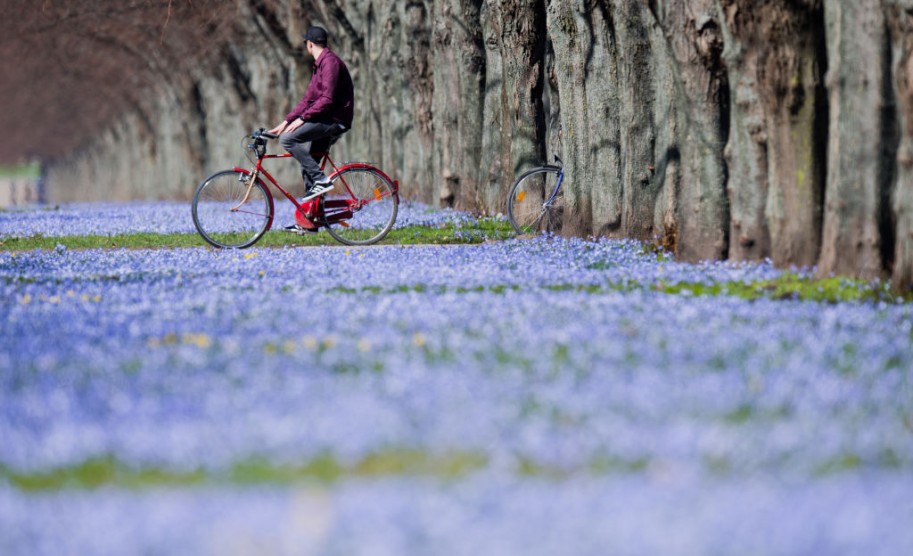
{"x":300,"y":230}
{"x":320,"y":187}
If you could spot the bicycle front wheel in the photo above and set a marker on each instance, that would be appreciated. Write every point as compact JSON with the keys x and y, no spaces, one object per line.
{"x":533,"y":205}
{"x":361,"y":208}
{"x":230,"y":215}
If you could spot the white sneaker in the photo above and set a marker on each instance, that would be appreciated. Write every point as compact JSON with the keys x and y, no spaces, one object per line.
{"x":321,"y":187}
{"x":300,"y":230}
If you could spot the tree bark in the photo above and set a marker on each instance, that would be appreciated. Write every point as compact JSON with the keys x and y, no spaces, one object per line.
{"x":775,"y":63}
{"x":861,"y":144}
{"x":491,"y":164}
{"x":692,"y":214}
{"x":382,"y":118}
{"x":521,"y":34}
{"x":459,"y":82}
{"x":640,"y":58}
{"x":586,"y":94}
{"x":419,"y":73}
{"x":900,"y":22}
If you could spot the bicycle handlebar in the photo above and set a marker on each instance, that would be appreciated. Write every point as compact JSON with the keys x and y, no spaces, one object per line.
{"x":257,"y":144}
{"x":263,"y":134}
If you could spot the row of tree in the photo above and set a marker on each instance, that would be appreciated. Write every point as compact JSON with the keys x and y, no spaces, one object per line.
{"x":71,"y":68}
{"x":740,"y":129}
{"x":736,"y":129}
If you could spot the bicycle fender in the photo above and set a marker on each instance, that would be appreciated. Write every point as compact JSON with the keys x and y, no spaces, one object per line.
{"x":269,"y":196}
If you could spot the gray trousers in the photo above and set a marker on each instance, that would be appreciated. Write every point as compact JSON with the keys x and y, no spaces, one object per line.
{"x":299,"y":143}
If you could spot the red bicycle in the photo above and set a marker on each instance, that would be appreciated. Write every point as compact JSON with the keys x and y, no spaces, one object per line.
{"x":232,"y":209}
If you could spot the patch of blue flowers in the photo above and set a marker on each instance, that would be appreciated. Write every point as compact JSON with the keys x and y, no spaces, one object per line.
{"x":608,"y":420}
{"x":109,"y":219}
{"x":485,"y":514}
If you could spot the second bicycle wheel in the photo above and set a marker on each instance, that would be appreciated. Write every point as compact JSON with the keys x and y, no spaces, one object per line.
{"x":228,"y":215}
{"x":530,"y":206}
{"x":361,"y":208}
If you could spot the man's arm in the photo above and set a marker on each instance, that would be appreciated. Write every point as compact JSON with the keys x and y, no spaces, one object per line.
{"x":294,"y":118}
{"x":323,"y":97}
{"x":309,"y":98}
{"x":317,"y":100}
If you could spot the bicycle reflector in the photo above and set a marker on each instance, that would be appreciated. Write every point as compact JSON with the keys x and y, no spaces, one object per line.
{"x":520,"y":196}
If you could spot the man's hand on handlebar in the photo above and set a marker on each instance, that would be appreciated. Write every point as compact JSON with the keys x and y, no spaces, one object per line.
{"x":285,"y":127}
{"x":278,"y":129}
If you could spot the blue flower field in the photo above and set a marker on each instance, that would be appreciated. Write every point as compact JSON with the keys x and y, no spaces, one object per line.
{"x":528,"y":396}
{"x":109,"y":219}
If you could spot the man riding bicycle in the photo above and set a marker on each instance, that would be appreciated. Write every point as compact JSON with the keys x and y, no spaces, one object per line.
{"x":325,"y":111}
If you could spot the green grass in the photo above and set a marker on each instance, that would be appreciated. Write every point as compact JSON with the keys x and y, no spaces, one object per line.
{"x":108,"y":471}
{"x":796,"y":287}
{"x":786,"y":287}
{"x":483,"y":230}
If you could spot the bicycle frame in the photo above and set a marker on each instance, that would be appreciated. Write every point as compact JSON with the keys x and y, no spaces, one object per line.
{"x":312,"y":211}
{"x":557,"y":188}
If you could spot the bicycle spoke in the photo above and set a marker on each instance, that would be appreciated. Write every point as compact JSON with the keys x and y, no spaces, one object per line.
{"x":218,"y":216}
{"x":249,"y":212}
{"x":527,"y":209}
{"x":362,"y":208}
{"x":534,"y":225}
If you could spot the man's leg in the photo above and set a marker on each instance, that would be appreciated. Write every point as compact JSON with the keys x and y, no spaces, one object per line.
{"x":298,"y":143}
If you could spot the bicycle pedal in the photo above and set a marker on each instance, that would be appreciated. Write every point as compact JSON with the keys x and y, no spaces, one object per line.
{"x":300,"y":230}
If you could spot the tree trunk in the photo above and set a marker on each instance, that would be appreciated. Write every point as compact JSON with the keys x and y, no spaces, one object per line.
{"x":416,"y":66}
{"x":861,"y":143}
{"x":586,"y":99}
{"x":775,"y":63}
{"x":471,"y":50}
{"x":640,"y":57}
{"x":493,"y":175}
{"x":521,"y":27}
{"x":900,"y":22}
{"x":459,"y":83}
{"x":382,"y":118}
{"x":692,"y":216}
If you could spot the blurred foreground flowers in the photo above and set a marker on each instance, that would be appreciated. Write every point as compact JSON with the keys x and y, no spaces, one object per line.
{"x":528,"y":396}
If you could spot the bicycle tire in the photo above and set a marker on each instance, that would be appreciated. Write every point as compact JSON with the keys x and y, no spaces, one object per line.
{"x":527,"y":210}
{"x":361,"y":208}
{"x":215,"y":219}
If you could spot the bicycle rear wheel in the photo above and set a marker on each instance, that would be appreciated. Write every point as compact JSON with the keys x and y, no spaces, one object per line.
{"x":531,"y":208}
{"x":226,"y":215}
{"x":361,"y":208}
